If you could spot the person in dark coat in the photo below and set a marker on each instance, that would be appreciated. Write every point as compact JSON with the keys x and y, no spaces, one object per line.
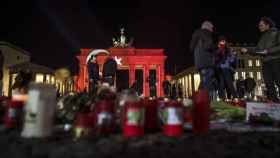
{"x":203,"y":48}
{"x":174,"y":91}
{"x":109,"y":71}
{"x":250,"y":85}
{"x":166,"y":85}
{"x":180,"y":90}
{"x":93,"y":75}
{"x":269,"y":47}
{"x":240,"y":86}
{"x":22,"y":81}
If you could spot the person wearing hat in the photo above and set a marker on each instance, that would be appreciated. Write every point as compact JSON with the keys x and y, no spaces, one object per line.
{"x":203,"y":48}
{"x":269,"y":47}
{"x":93,"y":74}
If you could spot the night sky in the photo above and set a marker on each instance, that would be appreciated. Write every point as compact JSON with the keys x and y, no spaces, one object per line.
{"x":53,"y":31}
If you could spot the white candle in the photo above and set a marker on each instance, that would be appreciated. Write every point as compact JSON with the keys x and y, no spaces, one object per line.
{"x":39,"y":111}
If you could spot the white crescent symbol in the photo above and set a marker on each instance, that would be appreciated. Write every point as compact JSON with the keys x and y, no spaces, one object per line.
{"x":95,"y":52}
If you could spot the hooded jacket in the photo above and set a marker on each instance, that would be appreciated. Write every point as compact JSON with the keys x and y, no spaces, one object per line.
{"x":227,"y":60}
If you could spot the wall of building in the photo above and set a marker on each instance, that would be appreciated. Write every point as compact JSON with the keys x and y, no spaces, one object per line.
{"x":252,"y":66}
{"x":12,"y":55}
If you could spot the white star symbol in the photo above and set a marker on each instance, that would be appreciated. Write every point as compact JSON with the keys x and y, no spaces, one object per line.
{"x":118,"y":60}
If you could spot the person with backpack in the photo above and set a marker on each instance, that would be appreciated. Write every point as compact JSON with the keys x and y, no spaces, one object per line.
{"x":269,"y":47}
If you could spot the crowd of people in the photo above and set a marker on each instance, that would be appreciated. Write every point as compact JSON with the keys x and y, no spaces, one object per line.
{"x":216,"y":62}
{"x":108,"y":73}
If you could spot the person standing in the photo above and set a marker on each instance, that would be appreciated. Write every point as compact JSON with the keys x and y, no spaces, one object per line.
{"x":203,"y":48}
{"x":152,"y":86}
{"x":250,"y":85}
{"x":269,"y":47}
{"x":93,"y":75}
{"x":226,"y":62}
{"x":109,"y":71}
{"x":22,"y":82}
{"x":173,"y":91}
{"x":180,"y":90}
{"x":166,"y":85}
{"x":240,"y":86}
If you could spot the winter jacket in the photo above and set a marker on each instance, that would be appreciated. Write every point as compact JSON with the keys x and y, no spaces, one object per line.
{"x":109,"y":68}
{"x":227,"y":60}
{"x":270,"y":40}
{"x":203,"y":48}
{"x":93,"y":71}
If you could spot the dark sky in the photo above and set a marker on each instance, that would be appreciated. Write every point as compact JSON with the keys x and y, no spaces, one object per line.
{"x":54,"y":30}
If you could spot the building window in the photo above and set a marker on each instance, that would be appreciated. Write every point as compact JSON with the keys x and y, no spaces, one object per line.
{"x":196,"y":81}
{"x":48,"y":79}
{"x":251,"y":74}
{"x":258,"y":62}
{"x":39,"y":78}
{"x":243,"y":74}
{"x":236,"y":76}
{"x":259,"y":76}
{"x":52,"y":80}
{"x":259,"y":90}
{"x":250,"y":63}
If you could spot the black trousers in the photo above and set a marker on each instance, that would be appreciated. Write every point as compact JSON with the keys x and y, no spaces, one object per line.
{"x":226,"y":83}
{"x":166,"y":92}
{"x":271,"y":77}
{"x":92,"y":87}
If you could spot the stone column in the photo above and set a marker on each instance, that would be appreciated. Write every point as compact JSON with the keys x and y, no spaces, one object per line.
{"x":160,"y":78}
